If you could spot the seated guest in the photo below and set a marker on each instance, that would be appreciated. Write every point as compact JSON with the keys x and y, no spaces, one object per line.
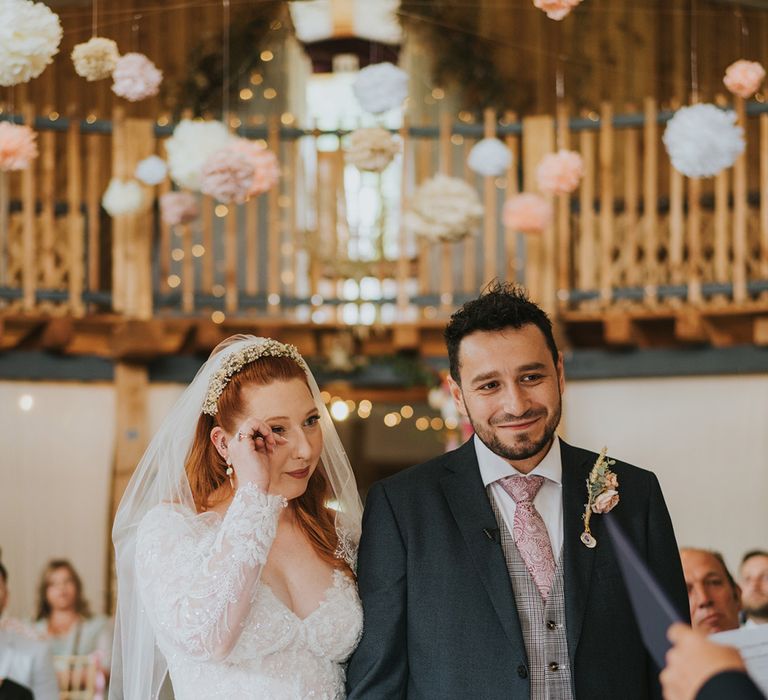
{"x":26,"y":668}
{"x":698,"y":669}
{"x":65,"y":620}
{"x":754,"y":587}
{"x":713,"y":596}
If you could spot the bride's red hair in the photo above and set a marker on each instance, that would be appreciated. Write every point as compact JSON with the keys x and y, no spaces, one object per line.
{"x":207,"y":470}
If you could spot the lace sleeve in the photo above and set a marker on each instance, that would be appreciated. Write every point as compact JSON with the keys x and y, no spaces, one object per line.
{"x":197,"y":581}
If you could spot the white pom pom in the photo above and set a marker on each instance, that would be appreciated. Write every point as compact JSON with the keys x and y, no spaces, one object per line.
{"x":381,"y":87}
{"x":190,"y":146}
{"x":444,"y":209}
{"x":151,"y":171}
{"x":489,"y":157}
{"x":29,"y":39}
{"x":702,"y":140}
{"x":124,"y":197}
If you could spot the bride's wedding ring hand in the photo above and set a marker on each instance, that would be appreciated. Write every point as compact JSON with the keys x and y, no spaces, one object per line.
{"x":250,"y":452}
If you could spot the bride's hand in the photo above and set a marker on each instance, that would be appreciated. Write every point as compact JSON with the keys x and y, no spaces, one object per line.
{"x":250,"y":450}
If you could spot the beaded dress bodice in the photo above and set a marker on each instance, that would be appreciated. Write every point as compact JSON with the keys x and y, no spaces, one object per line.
{"x":223,"y":632}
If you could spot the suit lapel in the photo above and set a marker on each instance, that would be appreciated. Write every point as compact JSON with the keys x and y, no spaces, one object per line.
{"x":468,"y":502}
{"x":578,"y":560}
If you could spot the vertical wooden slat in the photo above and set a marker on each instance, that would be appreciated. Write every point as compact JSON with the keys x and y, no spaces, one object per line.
{"x":230,"y":259}
{"x":586,"y":256}
{"x":650,"y":198}
{"x":764,"y":196}
{"x":740,"y":213}
{"x":47,"y":201}
{"x":403,"y":261}
{"x":93,"y":207}
{"x":444,"y":165}
{"x":208,"y":261}
{"x":721,"y":227}
{"x":273,"y":230}
{"x":538,"y":140}
{"x":605,"y":160}
{"x":423,"y":168}
{"x":631,"y":195}
{"x":563,"y":258}
{"x":510,"y":236}
{"x":292,"y":236}
{"x":5,"y":203}
{"x":252,"y":246}
{"x":29,"y":247}
{"x":676,"y":226}
{"x":119,"y":170}
{"x":490,"y":228}
{"x":470,"y":281}
{"x":164,"y":253}
{"x":693,"y":231}
{"x":74,"y":217}
{"x":187,"y":269}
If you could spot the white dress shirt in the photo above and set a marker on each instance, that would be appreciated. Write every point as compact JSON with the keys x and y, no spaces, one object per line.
{"x":549,"y":499}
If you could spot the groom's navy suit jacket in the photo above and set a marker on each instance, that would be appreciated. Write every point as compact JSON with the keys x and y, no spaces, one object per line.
{"x":440,"y":619}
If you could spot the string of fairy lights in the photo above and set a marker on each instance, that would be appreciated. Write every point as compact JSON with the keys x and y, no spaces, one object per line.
{"x":342,"y":410}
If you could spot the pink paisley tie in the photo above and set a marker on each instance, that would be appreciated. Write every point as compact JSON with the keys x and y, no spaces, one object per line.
{"x":529,"y":531}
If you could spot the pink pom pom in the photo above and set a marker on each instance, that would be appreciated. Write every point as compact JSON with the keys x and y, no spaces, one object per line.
{"x":526,"y":212}
{"x":266,"y":168}
{"x":556,"y":9}
{"x":136,"y":77}
{"x":560,"y":173}
{"x":743,"y":78}
{"x":18,"y":146}
{"x":228,"y":176}
{"x":178,"y":208}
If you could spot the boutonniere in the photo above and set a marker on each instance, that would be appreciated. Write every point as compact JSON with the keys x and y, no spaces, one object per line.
{"x":602,"y":494}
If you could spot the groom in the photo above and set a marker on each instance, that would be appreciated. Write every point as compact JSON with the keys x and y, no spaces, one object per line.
{"x":474,"y":579}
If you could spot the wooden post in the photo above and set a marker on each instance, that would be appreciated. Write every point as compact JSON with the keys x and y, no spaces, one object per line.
{"x":764,"y":196}
{"x":676,"y":226}
{"x":470,"y":281}
{"x":605,"y":159}
{"x":510,"y":236}
{"x":587,"y":251}
{"x":402,"y":247}
{"x":252,"y":246}
{"x":563,"y":257}
{"x":29,"y":244}
{"x":694,"y":241}
{"x":75,"y":227}
{"x":490,"y":226}
{"x":47,"y":255}
{"x":444,"y":164}
{"x":650,"y":199}
{"x":422,"y":172}
{"x":721,"y":227}
{"x":93,"y":207}
{"x":538,"y":140}
{"x":230,"y":258}
{"x":119,"y":170}
{"x":273,"y":230}
{"x":187,"y":269}
{"x":209,"y":258}
{"x":740,"y":212}
{"x":630,"y":262}
{"x":5,"y":202}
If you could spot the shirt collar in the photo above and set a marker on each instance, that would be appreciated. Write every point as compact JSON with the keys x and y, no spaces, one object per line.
{"x":493,"y":467}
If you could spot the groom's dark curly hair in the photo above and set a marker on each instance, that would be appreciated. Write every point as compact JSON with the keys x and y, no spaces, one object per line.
{"x":500,"y":305}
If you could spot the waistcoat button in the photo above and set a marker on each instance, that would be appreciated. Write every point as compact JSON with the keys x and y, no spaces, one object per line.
{"x":551,"y":625}
{"x":554,"y":666}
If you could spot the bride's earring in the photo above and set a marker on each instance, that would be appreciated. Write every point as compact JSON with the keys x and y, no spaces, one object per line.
{"x":230,"y":472}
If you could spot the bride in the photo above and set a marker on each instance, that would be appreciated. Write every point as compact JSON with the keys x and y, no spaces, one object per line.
{"x":235,"y":574}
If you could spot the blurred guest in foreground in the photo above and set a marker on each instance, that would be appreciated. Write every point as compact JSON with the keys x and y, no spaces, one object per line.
{"x":26,"y":668}
{"x":713,"y":595}
{"x":698,"y":669}
{"x":754,"y":587}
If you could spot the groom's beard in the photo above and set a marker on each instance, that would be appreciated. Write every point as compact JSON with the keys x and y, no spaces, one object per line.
{"x":526,"y":445}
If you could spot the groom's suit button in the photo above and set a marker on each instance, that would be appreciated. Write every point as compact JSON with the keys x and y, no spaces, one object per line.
{"x":554,"y":666}
{"x":522,"y":671}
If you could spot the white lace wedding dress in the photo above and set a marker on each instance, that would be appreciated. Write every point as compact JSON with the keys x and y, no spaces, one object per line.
{"x":222,"y":631}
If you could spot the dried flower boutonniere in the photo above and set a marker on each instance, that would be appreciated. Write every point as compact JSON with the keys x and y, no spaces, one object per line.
{"x":602,"y":494}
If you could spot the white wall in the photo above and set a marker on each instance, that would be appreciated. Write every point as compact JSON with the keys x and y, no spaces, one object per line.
{"x":706,"y":438}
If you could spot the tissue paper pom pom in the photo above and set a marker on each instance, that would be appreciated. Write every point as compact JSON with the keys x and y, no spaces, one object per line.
{"x":123,"y":197}
{"x":743,"y":78}
{"x":178,"y":208}
{"x":266,"y":170}
{"x":560,"y":173}
{"x":702,"y":140}
{"x":151,"y":171}
{"x":527,"y":212}
{"x":444,"y":208}
{"x":96,"y":58}
{"x":189,"y":147}
{"x":489,"y":157}
{"x":136,"y":77}
{"x":371,"y":149}
{"x":29,"y":39}
{"x":18,"y":146}
{"x":380,"y":87}
{"x":556,"y":9}
{"x":227,"y":175}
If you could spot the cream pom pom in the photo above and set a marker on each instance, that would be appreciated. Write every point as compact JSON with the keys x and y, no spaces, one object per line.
{"x":96,"y":58}
{"x":151,"y":170}
{"x":18,"y":146}
{"x":527,"y":212}
{"x":444,"y":209}
{"x":124,"y":197}
{"x":560,"y":173}
{"x":178,"y":208}
{"x":702,"y":140}
{"x":136,"y":77}
{"x":228,"y":176}
{"x":380,"y":87}
{"x":556,"y":9}
{"x":743,"y":78}
{"x":190,"y":146}
{"x":489,"y":157}
{"x":30,"y":35}
{"x":371,"y":149}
